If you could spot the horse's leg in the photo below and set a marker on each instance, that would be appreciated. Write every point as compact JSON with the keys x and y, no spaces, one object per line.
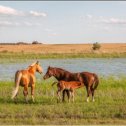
{"x":58,"y":95}
{"x":88,"y":93}
{"x":93,"y":96}
{"x":32,"y":92}
{"x":15,"y":99}
{"x":92,"y":91}
{"x":72,"y":95}
{"x":68,"y":94}
{"x":25,"y":93}
{"x":63,"y":95}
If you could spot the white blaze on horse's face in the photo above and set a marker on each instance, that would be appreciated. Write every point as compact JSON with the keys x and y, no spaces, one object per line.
{"x":39,"y":69}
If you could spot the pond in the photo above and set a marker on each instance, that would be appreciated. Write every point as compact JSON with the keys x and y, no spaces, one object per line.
{"x":100,"y":66}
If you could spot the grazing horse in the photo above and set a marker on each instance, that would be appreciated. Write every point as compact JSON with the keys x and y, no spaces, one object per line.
{"x":89,"y":80}
{"x":67,"y":85}
{"x":26,"y":78}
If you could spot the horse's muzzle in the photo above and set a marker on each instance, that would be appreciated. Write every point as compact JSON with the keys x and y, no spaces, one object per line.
{"x":44,"y":77}
{"x":40,"y":72}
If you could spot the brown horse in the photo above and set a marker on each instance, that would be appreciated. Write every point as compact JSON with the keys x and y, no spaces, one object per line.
{"x":67,"y":85}
{"x":89,"y":80}
{"x":26,"y":78}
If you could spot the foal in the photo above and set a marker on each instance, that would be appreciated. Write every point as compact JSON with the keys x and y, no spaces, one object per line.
{"x":67,"y":85}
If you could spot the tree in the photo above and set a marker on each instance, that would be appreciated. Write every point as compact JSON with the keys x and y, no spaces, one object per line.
{"x":96,"y":46}
{"x":35,"y":42}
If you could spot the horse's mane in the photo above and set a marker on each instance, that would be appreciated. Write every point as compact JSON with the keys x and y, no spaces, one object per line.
{"x":60,"y":69}
{"x":31,"y":65}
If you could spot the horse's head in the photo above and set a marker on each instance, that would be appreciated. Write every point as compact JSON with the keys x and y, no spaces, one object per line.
{"x":35,"y":67}
{"x":38,"y":68}
{"x":49,"y":73}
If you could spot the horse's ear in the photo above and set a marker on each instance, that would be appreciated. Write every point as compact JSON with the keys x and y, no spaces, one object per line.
{"x":37,"y":62}
{"x":49,"y":67}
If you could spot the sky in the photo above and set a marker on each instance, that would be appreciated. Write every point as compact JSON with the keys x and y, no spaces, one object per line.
{"x":63,"y":22}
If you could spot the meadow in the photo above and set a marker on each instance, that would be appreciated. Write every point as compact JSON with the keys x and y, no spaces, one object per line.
{"x":9,"y":57}
{"x":109,"y":106}
{"x":110,"y":97}
{"x":10,"y":53}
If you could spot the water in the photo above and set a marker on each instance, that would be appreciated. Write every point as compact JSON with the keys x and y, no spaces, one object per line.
{"x":102,"y":67}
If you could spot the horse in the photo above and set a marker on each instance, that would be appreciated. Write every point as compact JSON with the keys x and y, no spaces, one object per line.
{"x":26,"y":78}
{"x":67,"y":85}
{"x":89,"y":80}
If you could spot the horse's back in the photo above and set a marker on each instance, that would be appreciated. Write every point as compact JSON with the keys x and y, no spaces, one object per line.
{"x":89,"y":77}
{"x":22,"y":72}
{"x":75,"y":84}
{"x":70,"y":84}
{"x":26,"y":77}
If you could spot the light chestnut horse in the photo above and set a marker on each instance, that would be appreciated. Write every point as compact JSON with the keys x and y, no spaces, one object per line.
{"x":67,"y":85}
{"x":26,"y":78}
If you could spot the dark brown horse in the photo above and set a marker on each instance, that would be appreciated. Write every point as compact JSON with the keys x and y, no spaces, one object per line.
{"x":89,"y":80}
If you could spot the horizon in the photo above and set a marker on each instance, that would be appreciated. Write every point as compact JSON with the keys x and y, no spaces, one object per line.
{"x":63,"y":22}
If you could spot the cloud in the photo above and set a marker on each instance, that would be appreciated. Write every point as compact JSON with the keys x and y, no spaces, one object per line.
{"x":89,"y":16}
{"x":106,"y":28}
{"x":9,"y":23}
{"x":37,"y":14}
{"x":28,"y":23}
{"x":51,"y":32}
{"x":117,"y":21}
{"x":105,"y":20}
{"x":48,"y":30}
{"x":54,"y":34}
{"x":5,"y":23}
{"x":112,"y":21}
{"x":4,"y":10}
{"x":9,"y":11}
{"x":24,"y":23}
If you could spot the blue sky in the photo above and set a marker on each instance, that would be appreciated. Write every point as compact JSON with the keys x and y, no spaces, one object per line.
{"x":61,"y":22}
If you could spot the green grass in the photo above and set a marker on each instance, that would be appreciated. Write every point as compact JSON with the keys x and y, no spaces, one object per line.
{"x":11,"y":57}
{"x":109,"y":106}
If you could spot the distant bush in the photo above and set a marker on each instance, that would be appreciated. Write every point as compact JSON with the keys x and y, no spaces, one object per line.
{"x":35,"y":42}
{"x":22,"y":43}
{"x":96,"y":46}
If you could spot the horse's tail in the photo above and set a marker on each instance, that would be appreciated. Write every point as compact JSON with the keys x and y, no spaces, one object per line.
{"x":96,"y":82}
{"x":54,"y":83}
{"x":18,"y":76}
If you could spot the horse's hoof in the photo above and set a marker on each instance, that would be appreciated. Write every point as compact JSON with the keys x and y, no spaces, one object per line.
{"x":87,"y":101}
{"x":15,"y":102}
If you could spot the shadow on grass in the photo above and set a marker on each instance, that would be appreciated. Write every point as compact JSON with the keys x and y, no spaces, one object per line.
{"x":43,"y":101}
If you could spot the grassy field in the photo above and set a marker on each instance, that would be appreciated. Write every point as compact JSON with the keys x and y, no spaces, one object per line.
{"x":109,"y":106}
{"x":10,"y":53}
{"x":63,"y":48}
{"x":22,"y":57}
